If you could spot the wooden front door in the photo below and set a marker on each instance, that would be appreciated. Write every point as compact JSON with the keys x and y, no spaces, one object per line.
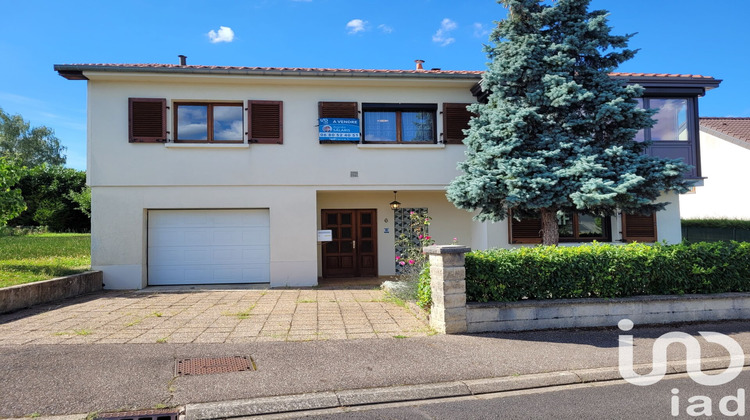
{"x":353,"y":252}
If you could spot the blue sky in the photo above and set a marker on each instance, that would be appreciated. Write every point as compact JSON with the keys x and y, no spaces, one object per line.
{"x":686,"y":36}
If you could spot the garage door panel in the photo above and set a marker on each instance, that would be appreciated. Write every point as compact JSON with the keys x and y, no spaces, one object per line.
{"x":256,"y":236}
{"x":208,"y":246}
{"x":256,"y":255}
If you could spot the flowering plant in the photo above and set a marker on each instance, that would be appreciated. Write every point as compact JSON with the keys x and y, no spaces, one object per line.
{"x":411,"y":260}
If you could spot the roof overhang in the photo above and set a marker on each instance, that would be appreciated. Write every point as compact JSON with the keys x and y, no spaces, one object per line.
{"x":655,"y":84}
{"x":78,"y":72}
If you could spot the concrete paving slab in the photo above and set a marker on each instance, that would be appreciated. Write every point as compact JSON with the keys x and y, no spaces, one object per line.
{"x":221,"y":314}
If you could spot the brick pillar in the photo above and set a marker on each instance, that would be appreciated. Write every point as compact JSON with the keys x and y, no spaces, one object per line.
{"x":448,"y":284}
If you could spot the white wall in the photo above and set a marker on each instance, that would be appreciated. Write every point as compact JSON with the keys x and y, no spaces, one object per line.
{"x":129,"y":179}
{"x":294,"y":180}
{"x":725,"y":192}
{"x":301,"y":160}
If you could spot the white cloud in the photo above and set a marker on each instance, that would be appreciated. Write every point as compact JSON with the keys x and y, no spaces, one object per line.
{"x":356,"y":25}
{"x":224,"y":34}
{"x":385,"y":28}
{"x":442,"y":36}
{"x":480,"y":31}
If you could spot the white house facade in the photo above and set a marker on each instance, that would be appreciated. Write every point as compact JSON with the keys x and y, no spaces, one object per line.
{"x":215,"y":175}
{"x":725,"y":152}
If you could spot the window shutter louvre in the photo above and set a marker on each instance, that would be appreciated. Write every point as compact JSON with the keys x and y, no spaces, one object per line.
{"x":526,"y":231}
{"x":639,"y":228}
{"x":147,"y":120}
{"x":455,"y":119}
{"x":265,"y":122}
{"x":337,"y":110}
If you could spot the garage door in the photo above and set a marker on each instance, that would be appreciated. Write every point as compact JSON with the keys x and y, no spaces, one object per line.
{"x":208,"y":246}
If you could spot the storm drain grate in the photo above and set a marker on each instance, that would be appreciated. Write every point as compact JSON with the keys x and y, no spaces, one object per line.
{"x":165,"y":414}
{"x":208,"y":365}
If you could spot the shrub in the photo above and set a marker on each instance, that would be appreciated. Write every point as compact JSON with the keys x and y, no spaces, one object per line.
{"x":46,"y":190}
{"x":607,"y":271}
{"x":716,"y":223}
{"x":424,"y":290}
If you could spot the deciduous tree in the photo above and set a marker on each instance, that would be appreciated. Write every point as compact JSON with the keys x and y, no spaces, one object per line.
{"x":11,"y":200}
{"x":26,"y":145}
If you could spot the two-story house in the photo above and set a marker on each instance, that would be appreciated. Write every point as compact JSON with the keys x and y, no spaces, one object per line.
{"x":211,"y":175}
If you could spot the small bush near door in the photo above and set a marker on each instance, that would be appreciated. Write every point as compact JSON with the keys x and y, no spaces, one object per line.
{"x":607,"y":271}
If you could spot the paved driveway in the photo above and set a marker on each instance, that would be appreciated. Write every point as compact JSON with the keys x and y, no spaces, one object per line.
{"x":226,"y":316}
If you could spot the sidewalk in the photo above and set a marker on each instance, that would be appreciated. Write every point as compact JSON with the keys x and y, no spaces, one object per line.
{"x":77,"y":379}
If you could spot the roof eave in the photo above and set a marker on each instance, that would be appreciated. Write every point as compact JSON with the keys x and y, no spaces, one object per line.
{"x":76,"y":72}
{"x":707,"y":83}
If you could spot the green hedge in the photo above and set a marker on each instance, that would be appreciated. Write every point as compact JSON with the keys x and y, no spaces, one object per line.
{"x":606,"y":271}
{"x":716,"y":223}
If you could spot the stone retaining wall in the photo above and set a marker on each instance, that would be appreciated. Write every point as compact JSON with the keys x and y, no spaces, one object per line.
{"x":25,"y":295}
{"x":451,"y":314}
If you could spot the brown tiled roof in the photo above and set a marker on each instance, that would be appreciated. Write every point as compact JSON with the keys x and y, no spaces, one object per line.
{"x":738,"y":128}
{"x":341,"y":71}
{"x":683,"y":76}
{"x":272,"y":69}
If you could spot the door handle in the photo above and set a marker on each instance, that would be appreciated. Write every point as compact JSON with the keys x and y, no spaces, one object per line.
{"x":354,"y":244}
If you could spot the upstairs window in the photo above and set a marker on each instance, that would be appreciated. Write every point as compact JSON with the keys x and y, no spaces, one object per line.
{"x":147,"y":120}
{"x":455,"y":120}
{"x":675,"y":134}
{"x":266,"y":122}
{"x":208,"y":122}
{"x":671,"y":119}
{"x":399,"y":123}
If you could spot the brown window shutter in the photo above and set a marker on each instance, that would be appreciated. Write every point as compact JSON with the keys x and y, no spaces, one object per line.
{"x":265,"y":122}
{"x":147,"y":120}
{"x":337,"y":110}
{"x":526,"y":231}
{"x":455,"y":119}
{"x":639,"y":228}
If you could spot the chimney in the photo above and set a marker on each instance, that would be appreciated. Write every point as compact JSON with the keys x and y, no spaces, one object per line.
{"x":419,"y":65}
{"x":183,"y":60}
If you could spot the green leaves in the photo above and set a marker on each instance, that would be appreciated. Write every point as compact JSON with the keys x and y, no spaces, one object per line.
{"x":607,"y":271}
{"x":29,"y":146}
{"x":52,"y":194}
{"x":11,"y":200}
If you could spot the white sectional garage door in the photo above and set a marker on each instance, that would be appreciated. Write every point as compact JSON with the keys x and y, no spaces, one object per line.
{"x":208,"y":246}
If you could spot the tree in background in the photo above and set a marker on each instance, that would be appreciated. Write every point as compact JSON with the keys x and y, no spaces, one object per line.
{"x":556,"y":133}
{"x":28,"y":146}
{"x":47,"y":191}
{"x":11,"y":201}
{"x":83,"y":199}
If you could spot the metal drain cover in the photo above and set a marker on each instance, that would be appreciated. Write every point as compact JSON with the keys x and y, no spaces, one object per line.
{"x":209,"y":365}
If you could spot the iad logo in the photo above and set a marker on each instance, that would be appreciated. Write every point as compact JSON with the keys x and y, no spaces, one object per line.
{"x":703,"y":404}
{"x":693,"y":353}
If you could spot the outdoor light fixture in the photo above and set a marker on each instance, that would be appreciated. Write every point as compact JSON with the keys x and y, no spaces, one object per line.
{"x":395,"y":204}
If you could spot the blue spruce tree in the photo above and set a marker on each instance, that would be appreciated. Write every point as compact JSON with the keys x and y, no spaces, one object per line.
{"x":556,"y":132}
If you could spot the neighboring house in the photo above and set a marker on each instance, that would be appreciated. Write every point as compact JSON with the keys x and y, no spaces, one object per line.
{"x":724,"y":152}
{"x":208,"y":174}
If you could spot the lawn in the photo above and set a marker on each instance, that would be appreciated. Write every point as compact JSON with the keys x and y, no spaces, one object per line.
{"x":30,"y":258}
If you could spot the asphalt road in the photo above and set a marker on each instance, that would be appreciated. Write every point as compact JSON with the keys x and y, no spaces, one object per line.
{"x":606,"y":400}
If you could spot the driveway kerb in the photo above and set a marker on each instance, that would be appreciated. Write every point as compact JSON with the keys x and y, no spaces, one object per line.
{"x":359,"y":397}
{"x":394,"y":394}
